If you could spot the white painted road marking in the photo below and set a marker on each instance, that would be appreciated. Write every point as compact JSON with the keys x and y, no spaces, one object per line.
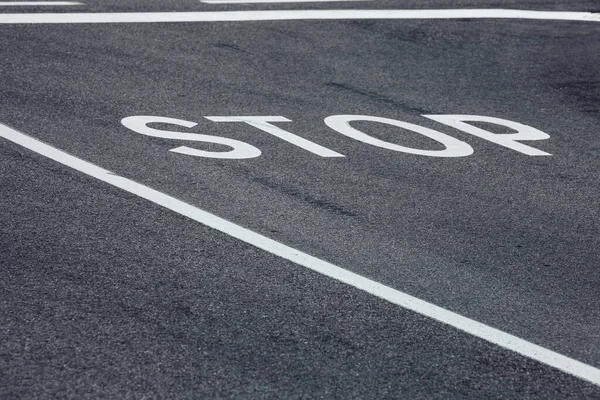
{"x":239,"y":150}
{"x":453,"y":147}
{"x":38,"y":3}
{"x":289,"y":15}
{"x":272,"y":1}
{"x":264,"y":124}
{"x":509,"y":140}
{"x":341,"y":124}
{"x":493,"y":335}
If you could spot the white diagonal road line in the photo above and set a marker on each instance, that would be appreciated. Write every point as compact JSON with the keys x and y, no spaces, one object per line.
{"x":478,"y":329}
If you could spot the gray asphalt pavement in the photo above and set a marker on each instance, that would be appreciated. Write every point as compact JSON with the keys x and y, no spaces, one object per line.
{"x":106,"y":295}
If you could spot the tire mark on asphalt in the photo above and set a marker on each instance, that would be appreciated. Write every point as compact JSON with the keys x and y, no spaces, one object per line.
{"x":378,"y":97}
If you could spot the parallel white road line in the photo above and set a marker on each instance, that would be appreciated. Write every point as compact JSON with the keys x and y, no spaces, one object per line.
{"x":478,"y":329}
{"x":287,"y":15}
{"x":272,"y":1}
{"x":38,"y":3}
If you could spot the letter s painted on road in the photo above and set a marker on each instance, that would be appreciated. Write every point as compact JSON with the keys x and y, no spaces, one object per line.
{"x":240,"y":150}
{"x":454,"y":147}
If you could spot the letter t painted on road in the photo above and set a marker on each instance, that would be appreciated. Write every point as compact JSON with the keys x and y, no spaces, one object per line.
{"x":264,"y":124}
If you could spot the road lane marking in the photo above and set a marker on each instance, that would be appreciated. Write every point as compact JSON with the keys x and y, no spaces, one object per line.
{"x":38,"y":3}
{"x":478,"y":329}
{"x":290,"y":15}
{"x":272,"y":1}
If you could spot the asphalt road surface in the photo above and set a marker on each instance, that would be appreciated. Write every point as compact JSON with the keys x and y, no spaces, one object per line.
{"x":348,"y":244}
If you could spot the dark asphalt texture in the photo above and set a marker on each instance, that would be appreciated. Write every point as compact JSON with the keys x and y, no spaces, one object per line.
{"x":106,"y":295}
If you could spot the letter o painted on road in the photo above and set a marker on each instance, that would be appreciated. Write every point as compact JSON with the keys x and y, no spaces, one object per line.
{"x":454,"y":147}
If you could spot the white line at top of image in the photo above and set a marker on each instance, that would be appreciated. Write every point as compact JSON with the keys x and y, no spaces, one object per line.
{"x":38,"y":3}
{"x":288,"y":15}
{"x":272,"y":1}
{"x":470,"y":326}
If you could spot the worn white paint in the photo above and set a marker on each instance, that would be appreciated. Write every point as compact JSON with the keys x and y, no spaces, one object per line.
{"x":274,"y":1}
{"x":290,"y":15}
{"x":37,"y":3}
